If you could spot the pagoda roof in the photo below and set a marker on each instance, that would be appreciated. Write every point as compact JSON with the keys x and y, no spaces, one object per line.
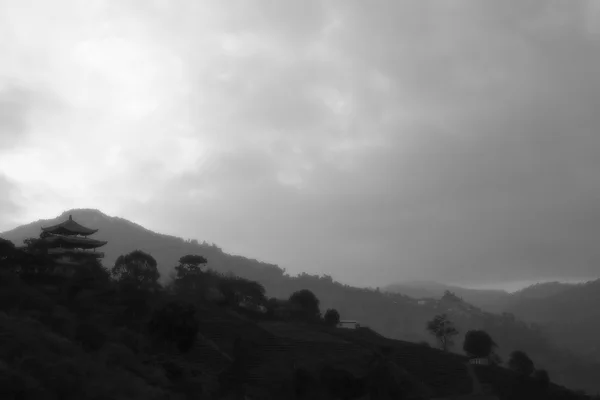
{"x":70,"y":227}
{"x":74,"y":242}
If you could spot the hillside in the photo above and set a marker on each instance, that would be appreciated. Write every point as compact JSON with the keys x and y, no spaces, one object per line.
{"x":489,"y":300}
{"x":124,"y":236}
{"x":569,"y":315}
{"x":63,"y":344}
{"x":393,"y":315}
{"x":542,"y":290}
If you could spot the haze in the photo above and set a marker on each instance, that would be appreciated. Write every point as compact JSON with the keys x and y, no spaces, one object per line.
{"x":374,"y":141}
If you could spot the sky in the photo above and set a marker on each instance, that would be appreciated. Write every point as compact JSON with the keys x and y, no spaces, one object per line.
{"x":376,"y":141}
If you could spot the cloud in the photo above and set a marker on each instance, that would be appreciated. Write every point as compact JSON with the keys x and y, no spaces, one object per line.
{"x":9,"y":207}
{"x":375,"y":142}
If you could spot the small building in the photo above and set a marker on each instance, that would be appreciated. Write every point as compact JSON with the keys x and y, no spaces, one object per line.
{"x":479,"y":361}
{"x":348,"y":324}
{"x":69,"y":245}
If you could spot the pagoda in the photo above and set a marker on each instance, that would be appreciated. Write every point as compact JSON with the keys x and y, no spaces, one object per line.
{"x":69,"y":245}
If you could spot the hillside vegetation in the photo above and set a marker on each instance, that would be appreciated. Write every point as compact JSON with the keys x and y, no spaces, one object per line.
{"x":394,"y":316}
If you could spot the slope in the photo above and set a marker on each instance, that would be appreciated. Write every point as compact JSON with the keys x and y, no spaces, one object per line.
{"x":489,"y":300}
{"x":393,"y":315}
{"x":570,"y":316}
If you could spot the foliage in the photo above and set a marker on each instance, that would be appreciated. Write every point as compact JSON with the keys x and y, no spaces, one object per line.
{"x":7,"y":250}
{"x":478,"y":343}
{"x":450,"y":296}
{"x":332,"y":317}
{"x":443,"y":330}
{"x":176,"y":323}
{"x":521,"y":363}
{"x":495,"y":359}
{"x":235,"y":289}
{"x":542,"y":377}
{"x":190,"y":266}
{"x":308,"y":303}
{"x":137,"y":268}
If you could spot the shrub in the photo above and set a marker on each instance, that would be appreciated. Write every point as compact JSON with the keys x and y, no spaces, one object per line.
{"x":332,"y":317}
{"x":478,"y":343}
{"x":541,"y":376}
{"x":521,"y":363}
{"x":307,"y":302}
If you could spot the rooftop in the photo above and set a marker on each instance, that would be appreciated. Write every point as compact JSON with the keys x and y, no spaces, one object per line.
{"x":69,"y":227}
{"x":74,"y":242}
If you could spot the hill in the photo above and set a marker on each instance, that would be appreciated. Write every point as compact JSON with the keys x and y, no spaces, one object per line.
{"x":542,"y":290}
{"x":568,"y":313}
{"x":395,"y":316}
{"x":124,"y":236}
{"x":90,"y":337}
{"x":489,"y":300}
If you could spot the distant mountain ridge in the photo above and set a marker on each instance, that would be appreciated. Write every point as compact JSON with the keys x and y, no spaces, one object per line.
{"x":487,"y":299}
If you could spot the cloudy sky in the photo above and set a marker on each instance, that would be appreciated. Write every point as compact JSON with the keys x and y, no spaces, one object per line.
{"x":374,"y":141}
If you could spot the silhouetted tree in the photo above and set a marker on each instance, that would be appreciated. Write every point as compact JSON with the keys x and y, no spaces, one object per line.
{"x":521,"y":363}
{"x":307,"y":301}
{"x":175,"y":322}
{"x":190,"y":265}
{"x":332,"y":317}
{"x":235,"y":289}
{"x":478,"y":343}
{"x":448,"y":295}
{"x":443,"y":329}
{"x":136,"y":268}
{"x":542,"y":378}
{"x":8,"y":254}
{"x":495,"y":359}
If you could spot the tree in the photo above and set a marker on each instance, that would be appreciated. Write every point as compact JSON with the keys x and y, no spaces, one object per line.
{"x":189,"y":265}
{"x":307,"y":301}
{"x":495,"y":359}
{"x":542,"y":377}
{"x":443,"y":329}
{"x":478,"y":343}
{"x":237,"y":289}
{"x":189,"y":276}
{"x":8,"y":253}
{"x":450,"y":296}
{"x":136,"y":268}
{"x":332,"y":317}
{"x":175,"y":322}
{"x":521,"y":363}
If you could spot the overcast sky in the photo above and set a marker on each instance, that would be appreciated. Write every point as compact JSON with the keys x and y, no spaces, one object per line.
{"x":375,"y":141}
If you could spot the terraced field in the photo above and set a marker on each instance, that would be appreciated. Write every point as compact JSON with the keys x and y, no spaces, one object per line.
{"x":445,"y":373}
{"x":503,"y":381}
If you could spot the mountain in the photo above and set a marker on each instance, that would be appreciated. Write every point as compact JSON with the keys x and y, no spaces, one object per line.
{"x":396,"y":316}
{"x":568,"y":313}
{"x":489,"y":300}
{"x":542,"y":290}
{"x":124,"y":236}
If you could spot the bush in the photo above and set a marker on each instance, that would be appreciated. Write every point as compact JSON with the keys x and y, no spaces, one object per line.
{"x":307,"y":302}
{"x":332,"y":317}
{"x":478,"y":343}
{"x":542,"y":378}
{"x":521,"y":363}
